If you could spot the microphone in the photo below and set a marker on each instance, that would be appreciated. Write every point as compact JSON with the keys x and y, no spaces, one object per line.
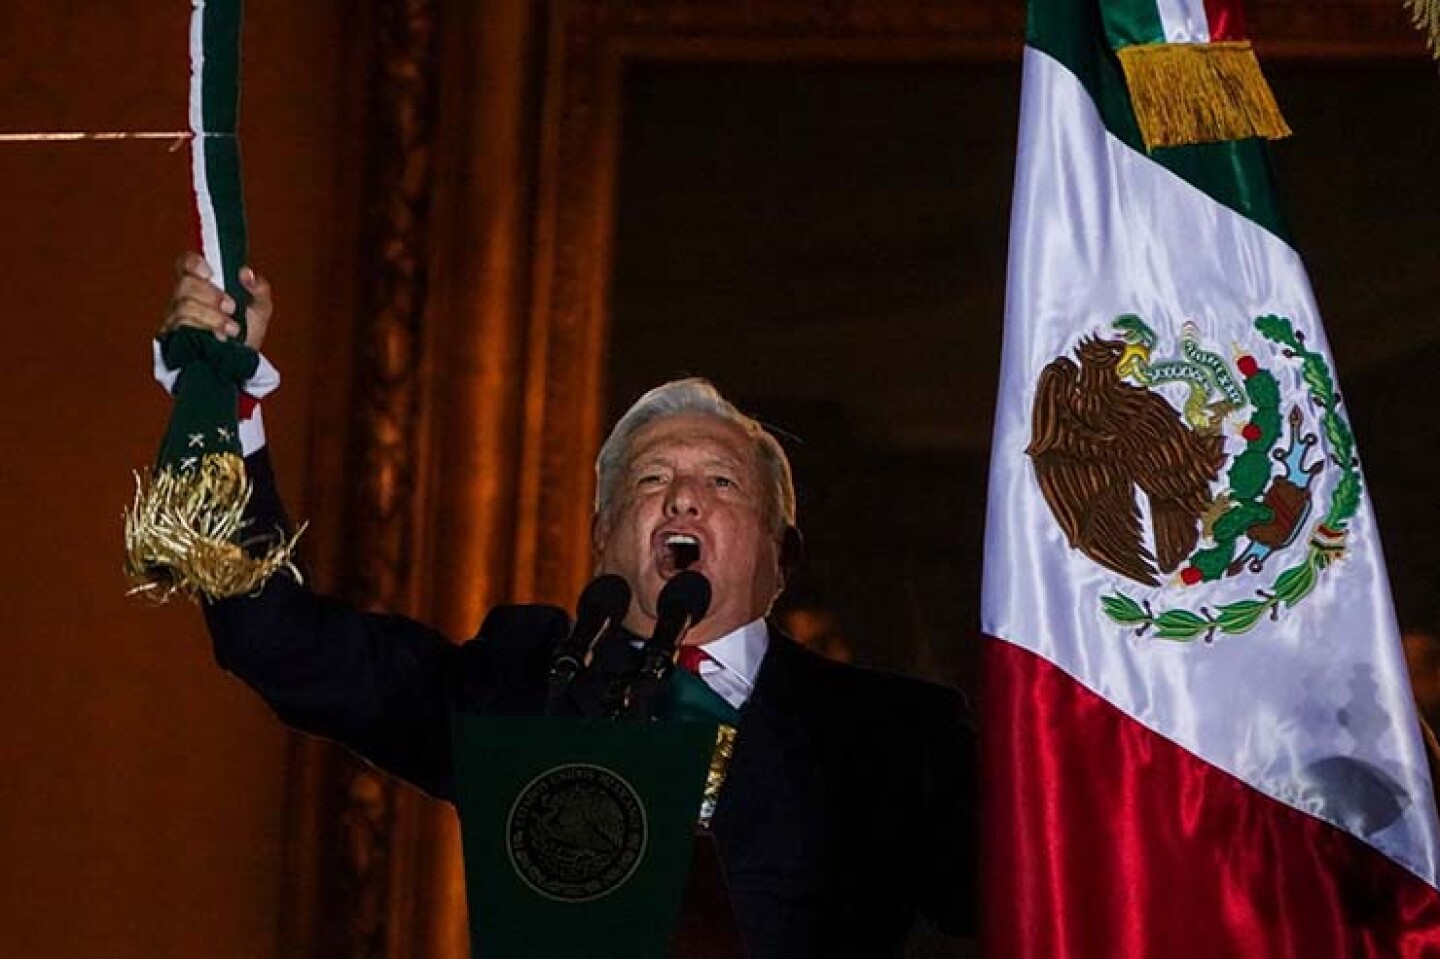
{"x":682,"y":603}
{"x":602,"y":606}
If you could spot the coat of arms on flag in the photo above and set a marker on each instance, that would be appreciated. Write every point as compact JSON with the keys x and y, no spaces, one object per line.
{"x":1199,"y":467}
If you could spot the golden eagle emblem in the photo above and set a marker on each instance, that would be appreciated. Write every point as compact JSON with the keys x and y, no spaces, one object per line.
{"x":1096,"y":440}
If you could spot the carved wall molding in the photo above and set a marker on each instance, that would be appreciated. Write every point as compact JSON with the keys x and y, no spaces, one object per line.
{"x":393,"y":290}
{"x":1289,"y":27}
{"x":366,"y":848}
{"x":780,"y":19}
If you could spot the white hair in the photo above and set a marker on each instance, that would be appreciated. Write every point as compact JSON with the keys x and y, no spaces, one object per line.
{"x":693,"y":396}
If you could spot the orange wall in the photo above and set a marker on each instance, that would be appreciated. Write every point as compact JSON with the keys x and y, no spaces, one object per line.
{"x":141,"y":811}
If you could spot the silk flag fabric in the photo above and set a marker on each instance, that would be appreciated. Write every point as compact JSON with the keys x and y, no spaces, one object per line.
{"x":1199,"y":737}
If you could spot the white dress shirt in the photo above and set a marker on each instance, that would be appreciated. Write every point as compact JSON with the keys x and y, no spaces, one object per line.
{"x":733,"y":661}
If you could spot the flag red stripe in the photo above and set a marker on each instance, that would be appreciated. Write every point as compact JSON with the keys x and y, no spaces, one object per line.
{"x":1227,"y":19}
{"x":1104,"y":840}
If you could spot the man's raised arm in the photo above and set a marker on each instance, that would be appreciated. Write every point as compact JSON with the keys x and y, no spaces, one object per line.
{"x":376,"y":684}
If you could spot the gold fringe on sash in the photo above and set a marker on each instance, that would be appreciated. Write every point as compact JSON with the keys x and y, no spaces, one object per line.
{"x":1187,"y":93}
{"x":182,"y":534}
{"x":1426,"y":16}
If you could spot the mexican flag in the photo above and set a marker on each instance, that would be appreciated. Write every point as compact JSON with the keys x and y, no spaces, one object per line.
{"x":1199,"y":737}
{"x":185,"y":531}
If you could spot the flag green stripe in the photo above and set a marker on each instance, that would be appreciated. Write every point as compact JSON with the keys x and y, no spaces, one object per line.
{"x":220,"y":84}
{"x":219,"y":96}
{"x":1128,"y":22}
{"x":1236,"y":174}
{"x":222,"y":172}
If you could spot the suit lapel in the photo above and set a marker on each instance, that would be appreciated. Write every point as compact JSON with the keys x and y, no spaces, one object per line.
{"x":771,"y":814}
{"x":780,"y":684}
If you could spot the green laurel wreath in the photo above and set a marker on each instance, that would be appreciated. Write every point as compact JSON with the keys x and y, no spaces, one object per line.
{"x":1327,"y":542}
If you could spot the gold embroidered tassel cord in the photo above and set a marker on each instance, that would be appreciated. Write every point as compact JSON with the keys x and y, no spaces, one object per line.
{"x":715,"y":777}
{"x":182,"y":534}
{"x":1187,"y":93}
{"x":1426,"y":16}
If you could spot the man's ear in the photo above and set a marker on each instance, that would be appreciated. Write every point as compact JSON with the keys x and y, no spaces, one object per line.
{"x":792,"y":552}
{"x":599,"y":534}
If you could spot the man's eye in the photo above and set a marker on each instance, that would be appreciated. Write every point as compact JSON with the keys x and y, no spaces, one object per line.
{"x":650,"y":479}
{"x":723,"y":482}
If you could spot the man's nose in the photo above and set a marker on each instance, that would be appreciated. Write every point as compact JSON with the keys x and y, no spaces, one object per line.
{"x":683,"y":497}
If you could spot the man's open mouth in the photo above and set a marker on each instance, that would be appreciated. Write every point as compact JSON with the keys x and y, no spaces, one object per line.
{"x":678,"y":551}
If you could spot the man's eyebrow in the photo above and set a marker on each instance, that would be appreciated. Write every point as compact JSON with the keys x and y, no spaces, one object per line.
{"x":648,"y":460}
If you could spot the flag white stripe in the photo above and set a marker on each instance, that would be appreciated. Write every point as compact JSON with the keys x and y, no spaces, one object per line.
{"x":204,"y":205}
{"x":1184,"y":21}
{"x":197,"y":66}
{"x":1099,"y":230}
{"x":205,"y":210}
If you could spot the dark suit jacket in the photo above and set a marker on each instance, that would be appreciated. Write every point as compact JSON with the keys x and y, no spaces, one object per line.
{"x":850,"y":800}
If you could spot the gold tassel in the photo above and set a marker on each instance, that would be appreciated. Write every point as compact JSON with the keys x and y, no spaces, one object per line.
{"x":182,"y":534}
{"x":1425,"y":14}
{"x":1187,"y":93}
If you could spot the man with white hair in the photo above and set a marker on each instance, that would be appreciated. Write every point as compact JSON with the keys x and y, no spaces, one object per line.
{"x":849,"y":805}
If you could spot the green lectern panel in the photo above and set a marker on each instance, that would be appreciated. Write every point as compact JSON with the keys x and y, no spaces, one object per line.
{"x":577,"y":832}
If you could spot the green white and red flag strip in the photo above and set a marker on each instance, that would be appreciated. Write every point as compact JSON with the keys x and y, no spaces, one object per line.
{"x":1192,"y":75}
{"x":261,"y":384}
{"x":184,"y":533}
{"x":1199,"y":737}
{"x":214,"y":149}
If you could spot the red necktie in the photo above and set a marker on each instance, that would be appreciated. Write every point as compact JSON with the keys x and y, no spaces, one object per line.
{"x":690,"y":657}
